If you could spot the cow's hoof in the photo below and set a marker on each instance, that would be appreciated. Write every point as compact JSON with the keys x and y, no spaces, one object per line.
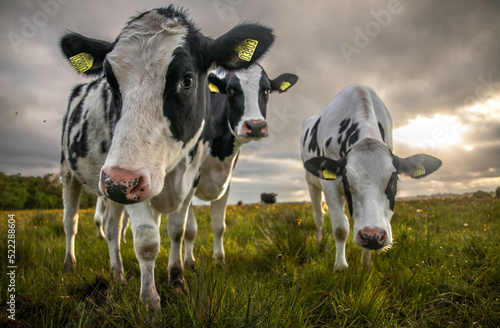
{"x":220,"y":260}
{"x":69,"y":267}
{"x":179,"y":286}
{"x":190,"y":263}
{"x":341,"y":267}
{"x":151,"y":304}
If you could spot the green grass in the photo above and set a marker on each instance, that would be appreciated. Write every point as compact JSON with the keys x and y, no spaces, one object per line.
{"x":442,"y":271}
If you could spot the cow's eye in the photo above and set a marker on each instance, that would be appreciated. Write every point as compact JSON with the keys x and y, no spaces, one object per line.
{"x":187,"y":81}
{"x":267,"y":91}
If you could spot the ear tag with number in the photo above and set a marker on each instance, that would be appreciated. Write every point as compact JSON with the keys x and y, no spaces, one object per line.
{"x":213,"y":88}
{"x":285,"y":85}
{"x":328,"y":175}
{"x":419,"y":171}
{"x":246,"y":49}
{"x":82,"y":62}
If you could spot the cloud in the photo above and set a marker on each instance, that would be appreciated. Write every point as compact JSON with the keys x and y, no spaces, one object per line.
{"x":426,"y":58}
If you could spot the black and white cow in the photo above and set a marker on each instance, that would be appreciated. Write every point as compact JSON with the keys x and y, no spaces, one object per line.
{"x":347,"y":152}
{"x":268,"y":198}
{"x":238,"y":109}
{"x":137,"y":134}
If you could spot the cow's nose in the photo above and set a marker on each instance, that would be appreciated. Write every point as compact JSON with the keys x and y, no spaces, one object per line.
{"x":372,"y":238}
{"x":124,"y":186}
{"x":255,"y":128}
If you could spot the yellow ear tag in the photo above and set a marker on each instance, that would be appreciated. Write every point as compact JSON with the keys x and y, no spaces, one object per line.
{"x":419,"y":171}
{"x":246,"y":49}
{"x":285,"y":85}
{"x":329,"y":175}
{"x":82,"y":62}
{"x":213,"y":88}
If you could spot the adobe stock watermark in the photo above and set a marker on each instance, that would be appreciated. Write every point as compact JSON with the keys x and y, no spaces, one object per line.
{"x":31,"y":25}
{"x":226,"y":9}
{"x":11,"y":267}
{"x":372,"y":28}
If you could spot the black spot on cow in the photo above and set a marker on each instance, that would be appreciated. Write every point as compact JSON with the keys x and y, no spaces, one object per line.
{"x":62,"y":157}
{"x":354,"y":137}
{"x":79,"y":146}
{"x":104,"y":146}
{"x":305,"y":138}
{"x":348,"y":135}
{"x":391,"y":190}
{"x":344,"y":124}
{"x":328,"y":142}
{"x":313,"y":144}
{"x":192,"y":152}
{"x":76,"y":92}
{"x":382,"y":132}
{"x":347,"y":192}
{"x":197,"y":180}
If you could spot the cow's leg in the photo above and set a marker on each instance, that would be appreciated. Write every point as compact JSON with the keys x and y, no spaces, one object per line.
{"x":189,"y":237}
{"x":147,"y":246}
{"x":340,"y":222}
{"x":126,"y":221}
{"x":72,"y":189}
{"x":218,"y":219}
{"x":100,"y":209}
{"x":114,"y":213}
{"x":176,"y":226}
{"x":315,"y":194}
{"x":366,"y":258}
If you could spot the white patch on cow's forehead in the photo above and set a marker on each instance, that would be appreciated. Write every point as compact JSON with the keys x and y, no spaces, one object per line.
{"x":144,"y":50}
{"x":250,"y":77}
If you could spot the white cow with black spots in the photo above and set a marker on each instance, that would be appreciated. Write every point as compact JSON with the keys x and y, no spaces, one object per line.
{"x":138,"y":135}
{"x":347,"y":152}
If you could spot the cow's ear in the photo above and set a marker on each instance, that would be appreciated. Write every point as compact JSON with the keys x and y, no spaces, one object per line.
{"x":215,"y":84}
{"x":85,"y":54}
{"x":283,"y":82}
{"x":325,"y":168}
{"x":416,"y":166}
{"x":241,"y":46}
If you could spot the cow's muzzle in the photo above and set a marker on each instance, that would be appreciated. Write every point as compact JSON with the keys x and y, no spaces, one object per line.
{"x":124,"y":186}
{"x":255,"y":129}
{"x":372,"y":238}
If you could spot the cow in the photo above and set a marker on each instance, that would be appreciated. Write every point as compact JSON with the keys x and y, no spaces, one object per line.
{"x":347,"y":154}
{"x":239,"y":108}
{"x":238,"y":103}
{"x":266,"y":198}
{"x":137,"y":134}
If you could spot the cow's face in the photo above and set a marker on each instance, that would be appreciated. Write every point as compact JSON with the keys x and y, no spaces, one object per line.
{"x":369,"y":176}
{"x":247,"y":94}
{"x":157,"y":69}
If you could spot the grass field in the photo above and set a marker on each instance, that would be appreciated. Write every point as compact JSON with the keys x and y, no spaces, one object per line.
{"x":442,"y":271}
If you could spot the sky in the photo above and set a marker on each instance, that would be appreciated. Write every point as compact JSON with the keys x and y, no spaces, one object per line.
{"x":435,"y":64}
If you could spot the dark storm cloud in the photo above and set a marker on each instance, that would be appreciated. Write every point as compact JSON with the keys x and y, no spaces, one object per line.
{"x":423,"y":58}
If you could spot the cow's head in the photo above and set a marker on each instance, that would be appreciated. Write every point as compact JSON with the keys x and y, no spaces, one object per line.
{"x":157,"y":70}
{"x":369,"y":175}
{"x":247,"y":92}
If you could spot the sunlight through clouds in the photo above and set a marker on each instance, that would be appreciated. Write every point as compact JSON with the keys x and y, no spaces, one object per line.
{"x":431,"y":132}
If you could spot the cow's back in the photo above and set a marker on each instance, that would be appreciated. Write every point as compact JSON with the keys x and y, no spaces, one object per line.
{"x":355,"y":113}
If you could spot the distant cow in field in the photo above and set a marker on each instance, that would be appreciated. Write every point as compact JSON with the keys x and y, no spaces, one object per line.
{"x":139,"y":133}
{"x":268,"y":198}
{"x":347,"y":152}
